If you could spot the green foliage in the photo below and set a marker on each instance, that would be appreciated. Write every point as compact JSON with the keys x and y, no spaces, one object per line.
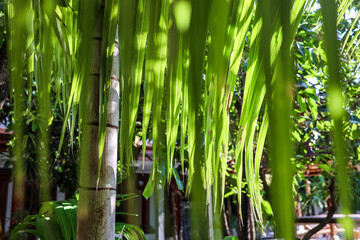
{"x":129,"y":231}
{"x":231,"y":238}
{"x":320,"y":69}
{"x":200,"y":55}
{"x":313,"y":125}
{"x":318,"y":193}
{"x":63,"y":164}
{"x":57,"y":220}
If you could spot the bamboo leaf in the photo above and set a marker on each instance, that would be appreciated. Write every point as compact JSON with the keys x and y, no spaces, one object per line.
{"x":197,"y":42}
{"x":177,"y":179}
{"x":173,"y":85}
{"x":149,"y":189}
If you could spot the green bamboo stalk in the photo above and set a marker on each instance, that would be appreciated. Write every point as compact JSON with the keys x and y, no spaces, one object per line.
{"x":90,"y":28}
{"x":279,"y":97}
{"x":44,"y":70}
{"x":30,"y":52}
{"x":336,"y":101}
{"x":197,"y":41}
{"x":16,"y":26}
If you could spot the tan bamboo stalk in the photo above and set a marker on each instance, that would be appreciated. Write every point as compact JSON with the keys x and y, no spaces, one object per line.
{"x":97,"y":198}
{"x":88,"y":222}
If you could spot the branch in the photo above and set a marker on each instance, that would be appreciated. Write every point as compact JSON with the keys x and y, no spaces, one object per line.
{"x":329,"y":215}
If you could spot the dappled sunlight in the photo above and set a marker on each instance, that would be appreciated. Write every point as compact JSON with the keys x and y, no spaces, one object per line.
{"x":233,"y":99}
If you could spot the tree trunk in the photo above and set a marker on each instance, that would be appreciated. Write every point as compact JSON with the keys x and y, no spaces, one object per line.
{"x":227,"y":214}
{"x":97,"y":198}
{"x":247,"y":228}
{"x":329,"y":215}
{"x":160,"y":211}
{"x":175,"y":209}
{"x":4,"y":75}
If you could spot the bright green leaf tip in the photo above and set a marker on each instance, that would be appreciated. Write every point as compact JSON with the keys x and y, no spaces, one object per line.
{"x":336,"y":103}
{"x":182,"y":12}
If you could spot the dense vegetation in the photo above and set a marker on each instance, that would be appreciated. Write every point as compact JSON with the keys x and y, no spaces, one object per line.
{"x":211,"y":79}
